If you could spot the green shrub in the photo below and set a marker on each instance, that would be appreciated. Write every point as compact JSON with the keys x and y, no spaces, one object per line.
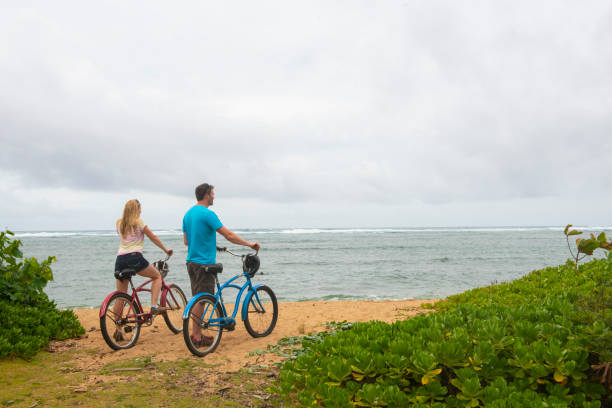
{"x":529,"y":343}
{"x":28,"y":319}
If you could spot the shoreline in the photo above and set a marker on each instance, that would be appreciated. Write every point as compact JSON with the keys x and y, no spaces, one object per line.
{"x":82,"y":308}
{"x":236,"y":348}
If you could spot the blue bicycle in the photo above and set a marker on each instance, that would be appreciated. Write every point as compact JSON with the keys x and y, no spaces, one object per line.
{"x":206,"y":316}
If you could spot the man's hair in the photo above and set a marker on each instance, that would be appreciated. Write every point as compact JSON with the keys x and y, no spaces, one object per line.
{"x":202,"y":190}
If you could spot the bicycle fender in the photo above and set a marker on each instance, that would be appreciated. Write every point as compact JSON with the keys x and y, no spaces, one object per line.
{"x":105,"y":302}
{"x":245,"y":304}
{"x":191,"y":302}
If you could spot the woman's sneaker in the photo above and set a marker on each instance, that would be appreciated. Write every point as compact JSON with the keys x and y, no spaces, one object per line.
{"x":155,"y":310}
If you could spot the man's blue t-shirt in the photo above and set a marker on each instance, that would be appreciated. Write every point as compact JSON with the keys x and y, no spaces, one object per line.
{"x":200,"y":225}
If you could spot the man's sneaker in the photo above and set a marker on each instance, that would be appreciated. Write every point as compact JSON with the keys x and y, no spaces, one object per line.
{"x":118,"y":336}
{"x":205,"y":341}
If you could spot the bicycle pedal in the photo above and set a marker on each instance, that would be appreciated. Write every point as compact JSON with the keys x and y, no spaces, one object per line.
{"x":230,"y":326}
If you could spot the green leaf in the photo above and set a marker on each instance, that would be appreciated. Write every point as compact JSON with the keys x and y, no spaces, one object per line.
{"x":558,"y":376}
{"x":602,"y":238}
{"x":574,"y":232}
{"x":587,"y":246}
{"x":430,"y":376}
{"x":339,"y":370}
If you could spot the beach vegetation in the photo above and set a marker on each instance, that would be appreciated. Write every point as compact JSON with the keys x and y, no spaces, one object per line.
{"x":585,"y":246}
{"x":542,"y":340}
{"x":28,"y":319}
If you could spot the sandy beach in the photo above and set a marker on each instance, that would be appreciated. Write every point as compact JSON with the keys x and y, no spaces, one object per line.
{"x":295,"y":318}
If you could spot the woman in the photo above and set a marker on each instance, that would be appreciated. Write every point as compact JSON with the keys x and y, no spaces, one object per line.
{"x":132,"y":229}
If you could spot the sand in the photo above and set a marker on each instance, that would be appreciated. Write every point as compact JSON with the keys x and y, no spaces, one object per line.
{"x":295,"y":318}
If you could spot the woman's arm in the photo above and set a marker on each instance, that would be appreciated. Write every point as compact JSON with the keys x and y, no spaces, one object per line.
{"x":156,"y":240}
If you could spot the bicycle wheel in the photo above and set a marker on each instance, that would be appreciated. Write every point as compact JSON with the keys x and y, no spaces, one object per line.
{"x":203,"y":329}
{"x":119,"y":323}
{"x":174,"y":298}
{"x":262,"y":312}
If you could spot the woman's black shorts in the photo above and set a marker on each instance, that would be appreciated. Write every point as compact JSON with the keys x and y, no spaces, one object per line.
{"x":133,"y":260}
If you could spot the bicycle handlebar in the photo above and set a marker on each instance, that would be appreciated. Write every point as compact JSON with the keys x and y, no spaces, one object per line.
{"x":224,"y":249}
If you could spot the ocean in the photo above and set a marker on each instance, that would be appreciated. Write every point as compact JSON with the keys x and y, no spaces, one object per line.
{"x":319,"y":264}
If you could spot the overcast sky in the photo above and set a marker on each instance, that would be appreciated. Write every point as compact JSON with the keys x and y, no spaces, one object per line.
{"x":306,"y":114}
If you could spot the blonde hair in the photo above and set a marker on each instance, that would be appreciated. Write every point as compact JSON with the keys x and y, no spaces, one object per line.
{"x":129,"y":220}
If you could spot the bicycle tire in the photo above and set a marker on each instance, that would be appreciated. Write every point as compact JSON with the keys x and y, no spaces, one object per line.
{"x":212,"y":330}
{"x":177,"y":301}
{"x":126,"y":325}
{"x":260,"y":320}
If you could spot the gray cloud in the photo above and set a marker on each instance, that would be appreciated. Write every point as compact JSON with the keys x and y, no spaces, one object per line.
{"x":283,"y":102}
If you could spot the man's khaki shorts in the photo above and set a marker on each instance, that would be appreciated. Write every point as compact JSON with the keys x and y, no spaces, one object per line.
{"x":201,"y":281}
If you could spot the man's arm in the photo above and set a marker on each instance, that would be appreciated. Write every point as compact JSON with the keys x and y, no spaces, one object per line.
{"x":236,"y":239}
{"x":185,"y":239}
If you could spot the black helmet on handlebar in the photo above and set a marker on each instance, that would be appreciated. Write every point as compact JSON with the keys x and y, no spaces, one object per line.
{"x":162,"y":267}
{"x":250,"y":264}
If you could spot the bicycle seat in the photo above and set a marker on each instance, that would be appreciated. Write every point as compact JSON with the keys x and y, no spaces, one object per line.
{"x":213,"y":268}
{"x":126,"y":273}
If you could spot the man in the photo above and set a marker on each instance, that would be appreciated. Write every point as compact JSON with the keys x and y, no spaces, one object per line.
{"x":200,"y":225}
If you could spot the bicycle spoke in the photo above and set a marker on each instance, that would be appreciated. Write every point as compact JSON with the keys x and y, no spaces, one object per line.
{"x":114,"y":316}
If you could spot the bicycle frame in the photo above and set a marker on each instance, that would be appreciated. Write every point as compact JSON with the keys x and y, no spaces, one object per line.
{"x":219,"y":299}
{"x":142,"y":317}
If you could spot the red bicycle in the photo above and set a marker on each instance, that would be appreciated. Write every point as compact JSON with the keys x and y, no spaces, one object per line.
{"x":121,"y":315}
